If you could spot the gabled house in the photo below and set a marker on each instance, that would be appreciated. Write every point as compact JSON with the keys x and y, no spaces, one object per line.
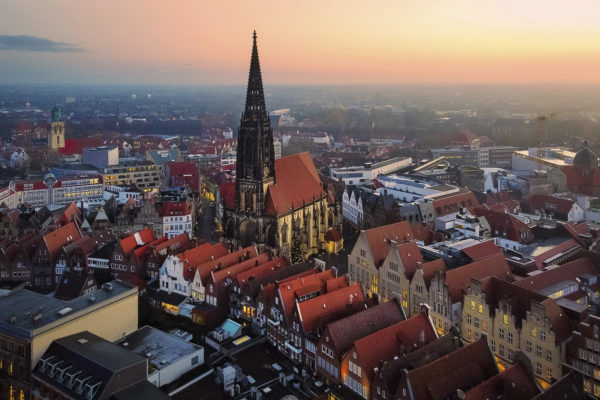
{"x":388,"y":373}
{"x":47,"y":267}
{"x":361,"y":360}
{"x":462,"y":369}
{"x":310,"y":318}
{"x":340,"y":335}
{"x":515,"y":319}
{"x":446,"y":289}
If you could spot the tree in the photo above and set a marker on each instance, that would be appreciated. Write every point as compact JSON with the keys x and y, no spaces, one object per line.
{"x":296,"y":253}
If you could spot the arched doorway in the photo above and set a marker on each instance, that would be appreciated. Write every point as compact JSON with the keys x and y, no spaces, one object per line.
{"x":248,"y":233}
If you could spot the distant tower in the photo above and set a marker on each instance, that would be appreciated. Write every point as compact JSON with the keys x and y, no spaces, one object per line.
{"x":56,"y":138}
{"x":255,"y":165}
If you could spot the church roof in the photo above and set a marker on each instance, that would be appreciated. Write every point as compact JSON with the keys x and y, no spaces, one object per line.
{"x":297,"y":182}
{"x":585,"y":158}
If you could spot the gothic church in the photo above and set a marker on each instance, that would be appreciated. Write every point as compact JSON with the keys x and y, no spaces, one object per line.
{"x":276,"y":201}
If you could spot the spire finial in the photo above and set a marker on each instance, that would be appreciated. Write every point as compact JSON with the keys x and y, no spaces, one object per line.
{"x":254,"y":35}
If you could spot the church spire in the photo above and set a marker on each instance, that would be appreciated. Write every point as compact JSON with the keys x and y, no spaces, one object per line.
{"x":255,"y":96}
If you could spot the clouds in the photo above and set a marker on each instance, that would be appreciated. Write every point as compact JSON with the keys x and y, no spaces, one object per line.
{"x":35,"y":43}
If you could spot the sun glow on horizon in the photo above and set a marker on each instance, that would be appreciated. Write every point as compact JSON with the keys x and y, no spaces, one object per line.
{"x":312,"y":42}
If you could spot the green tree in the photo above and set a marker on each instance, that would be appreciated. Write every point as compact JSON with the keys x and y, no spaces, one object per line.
{"x":296,"y":253}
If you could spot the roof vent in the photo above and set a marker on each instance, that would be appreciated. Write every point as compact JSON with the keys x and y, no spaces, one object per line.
{"x":82,"y":341}
{"x":108,"y":287}
{"x":91,"y":299}
{"x":64,"y":311}
{"x":125,"y":344}
{"x":148,"y":354}
{"x":12,"y":319}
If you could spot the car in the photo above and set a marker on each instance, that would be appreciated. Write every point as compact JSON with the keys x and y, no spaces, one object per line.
{"x":212,"y":204}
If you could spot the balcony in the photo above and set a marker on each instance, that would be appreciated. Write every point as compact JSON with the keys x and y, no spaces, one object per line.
{"x":292,"y":348}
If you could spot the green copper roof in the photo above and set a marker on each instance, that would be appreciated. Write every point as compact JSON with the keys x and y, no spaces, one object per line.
{"x":56,"y":117}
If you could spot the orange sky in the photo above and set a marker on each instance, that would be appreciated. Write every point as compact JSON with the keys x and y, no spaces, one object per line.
{"x":306,"y":42}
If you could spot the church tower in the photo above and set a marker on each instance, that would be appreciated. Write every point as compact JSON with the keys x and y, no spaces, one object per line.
{"x":255,"y":165}
{"x":56,"y":137}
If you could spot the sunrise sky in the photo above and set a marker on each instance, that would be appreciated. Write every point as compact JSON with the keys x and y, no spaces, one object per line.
{"x":300,"y":42}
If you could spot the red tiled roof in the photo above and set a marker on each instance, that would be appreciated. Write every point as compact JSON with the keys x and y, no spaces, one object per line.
{"x":178,"y":241}
{"x":57,"y":239}
{"x":296,"y":183}
{"x":289,"y":287}
{"x":482,"y":250}
{"x":345,"y":331}
{"x":203,"y":150}
{"x":378,"y":238}
{"x":232,"y":271}
{"x":458,"y":279}
{"x":388,"y":342}
{"x":505,"y":225}
{"x":141,"y":252}
{"x":262,"y":270}
{"x":336,"y":284}
{"x":320,"y":308}
{"x":546,"y":202}
{"x":76,"y":146}
{"x":200,"y":255}
{"x":69,"y":213}
{"x":175,"y":208}
{"x":223,"y":262}
{"x":411,"y":256}
{"x":462,"y":138}
{"x":461,"y":369}
{"x":137,"y":239}
{"x":453,"y":202}
{"x":333,"y":235}
{"x":565,"y":272}
{"x":429,"y":269}
{"x":228,"y":194}
{"x":547,"y":256}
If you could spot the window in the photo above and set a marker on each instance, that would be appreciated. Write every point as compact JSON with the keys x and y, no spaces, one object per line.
{"x":528,"y":346}
{"x":533,"y":332}
{"x":542,"y":335}
{"x":501,"y":333}
{"x":481,"y":308}
{"x":538,"y":350}
{"x":549,"y":355}
{"x":549,"y":373}
{"x":511,"y":354}
{"x":538,"y":368}
{"x":472,"y":305}
{"x":510,"y":337}
{"x":476,"y":322}
{"x":505,"y":319}
{"x":194,"y":360}
{"x":493,"y":345}
{"x":468,"y":318}
{"x":501,"y":352}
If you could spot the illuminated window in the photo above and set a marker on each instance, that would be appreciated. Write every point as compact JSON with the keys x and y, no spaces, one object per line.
{"x":505,"y":319}
{"x":472,"y":305}
{"x":481,"y":308}
{"x":533,"y":332}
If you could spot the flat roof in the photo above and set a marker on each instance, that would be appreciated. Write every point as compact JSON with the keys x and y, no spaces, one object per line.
{"x":25,"y":314}
{"x":160,"y":348}
{"x":99,"y":351}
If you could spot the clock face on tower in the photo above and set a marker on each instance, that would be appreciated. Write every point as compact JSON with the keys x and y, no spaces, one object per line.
{"x":266,"y":172}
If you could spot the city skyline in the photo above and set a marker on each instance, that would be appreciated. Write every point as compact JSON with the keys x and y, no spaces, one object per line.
{"x":307,"y":43}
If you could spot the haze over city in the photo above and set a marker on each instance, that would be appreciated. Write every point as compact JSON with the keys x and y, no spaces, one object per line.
{"x":309,"y":42}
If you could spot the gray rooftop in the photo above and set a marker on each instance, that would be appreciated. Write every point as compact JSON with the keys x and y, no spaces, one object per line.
{"x":25,"y":314}
{"x":160,"y":348}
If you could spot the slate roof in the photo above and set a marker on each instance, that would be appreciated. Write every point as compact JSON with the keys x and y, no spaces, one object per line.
{"x":460,"y":369}
{"x":345,"y":331}
{"x":514,"y":383}
{"x":404,"y":336}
